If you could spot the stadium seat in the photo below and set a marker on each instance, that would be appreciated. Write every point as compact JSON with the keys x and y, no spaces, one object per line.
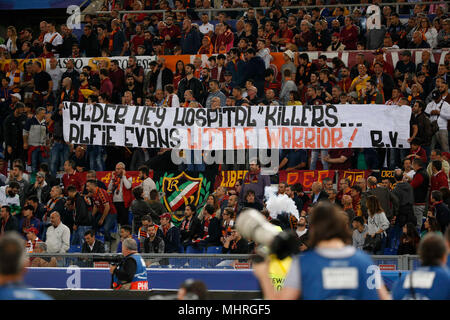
{"x":194,"y":250}
{"x":74,"y":249}
{"x":214,"y":250}
{"x":130,"y":218}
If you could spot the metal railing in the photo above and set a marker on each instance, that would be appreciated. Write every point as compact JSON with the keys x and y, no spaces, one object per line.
{"x":201,"y":261}
{"x":397,"y":6}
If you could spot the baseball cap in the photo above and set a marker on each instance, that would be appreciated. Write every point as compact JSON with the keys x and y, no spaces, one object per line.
{"x":335,"y":34}
{"x":166,"y":215}
{"x":290,"y":54}
{"x":17,"y":95}
{"x":435,"y":94}
{"x":32,"y":229}
{"x":40,"y":174}
{"x":228,"y":73}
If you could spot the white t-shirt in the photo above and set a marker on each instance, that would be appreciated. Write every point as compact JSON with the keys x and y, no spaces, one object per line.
{"x":58,"y":40}
{"x":206,"y":28}
{"x":265,"y":55}
{"x":56,"y":75}
{"x":6,"y":200}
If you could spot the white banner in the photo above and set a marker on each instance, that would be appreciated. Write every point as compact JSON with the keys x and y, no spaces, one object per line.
{"x":228,"y":128}
{"x":143,"y":61}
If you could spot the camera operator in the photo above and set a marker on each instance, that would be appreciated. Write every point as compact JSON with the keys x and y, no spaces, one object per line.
{"x":332,"y":269}
{"x":130,"y":273}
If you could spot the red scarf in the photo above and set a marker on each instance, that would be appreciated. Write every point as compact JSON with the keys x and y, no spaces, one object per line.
{"x":111,"y":40}
{"x":252,"y":177}
{"x":116,"y":184}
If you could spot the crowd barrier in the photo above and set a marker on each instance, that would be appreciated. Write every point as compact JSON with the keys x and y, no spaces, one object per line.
{"x":159,"y":279}
{"x":203,"y":261}
{"x":348,"y":57}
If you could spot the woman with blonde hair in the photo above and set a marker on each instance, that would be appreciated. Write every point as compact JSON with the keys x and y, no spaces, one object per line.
{"x":11,"y":44}
{"x":429,"y":33}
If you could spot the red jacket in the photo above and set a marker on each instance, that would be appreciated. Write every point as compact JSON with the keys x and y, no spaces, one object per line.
{"x":72,"y":179}
{"x":439,"y":180}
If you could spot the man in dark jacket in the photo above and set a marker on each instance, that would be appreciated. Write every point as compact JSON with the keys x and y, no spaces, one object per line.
{"x":388,"y":200}
{"x":190,"y":228}
{"x":8,"y":222}
{"x":40,"y":188}
{"x":441,"y":211}
{"x":12,"y":133}
{"x":82,"y":218}
{"x":210,"y":235}
{"x":171,"y":234}
{"x":405,"y":195}
{"x":317,"y":194}
{"x":159,"y":77}
{"x":92,"y":245}
{"x":190,"y":38}
{"x":89,"y":42}
{"x":191,"y":83}
{"x":420,"y":184}
{"x":255,"y":68}
{"x":139,"y":208}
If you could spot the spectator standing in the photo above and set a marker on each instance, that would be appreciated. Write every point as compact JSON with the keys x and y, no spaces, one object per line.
{"x":71,"y":176}
{"x":214,"y":91}
{"x":388,"y":201}
{"x":409,"y":240}
{"x":16,"y":175}
{"x":104,"y":212}
{"x":191,"y":83}
{"x":120,"y":188}
{"x":255,"y":181}
{"x":405,"y":195}
{"x":190,"y":228}
{"x":139,"y":208}
{"x":438,"y":178}
{"x":190,"y":38}
{"x":254,"y":69}
{"x":420,"y":184}
{"x":349,"y":34}
{"x":82,"y":219}
{"x":118,"y":44}
{"x":12,"y":133}
{"x":57,"y":235}
{"x":441,"y":210}
{"x":147,"y":183}
{"x":360,"y":231}
{"x":210,"y":227}
{"x":35,"y":139}
{"x":377,"y":223}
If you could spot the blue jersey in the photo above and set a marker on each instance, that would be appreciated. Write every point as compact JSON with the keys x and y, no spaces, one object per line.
{"x":448,"y":261}
{"x":335,"y":274}
{"x":428,"y":283}
{"x":14,"y":291}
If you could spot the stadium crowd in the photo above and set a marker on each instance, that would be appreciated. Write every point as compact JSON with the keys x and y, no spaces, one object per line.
{"x":239,"y":72}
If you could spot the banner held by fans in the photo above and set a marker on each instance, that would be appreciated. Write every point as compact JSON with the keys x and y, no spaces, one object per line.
{"x":233,"y":128}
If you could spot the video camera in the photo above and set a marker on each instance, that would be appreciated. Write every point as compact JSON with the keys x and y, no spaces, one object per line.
{"x":254,"y":226}
{"x":112,"y":259}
